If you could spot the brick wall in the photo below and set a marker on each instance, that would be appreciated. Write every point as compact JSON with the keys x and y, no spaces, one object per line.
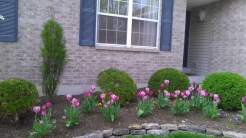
{"x":22,"y":58}
{"x":228,"y":46}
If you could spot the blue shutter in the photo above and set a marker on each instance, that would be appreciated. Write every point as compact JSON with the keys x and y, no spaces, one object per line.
{"x":166,"y":25}
{"x":9,"y":26}
{"x":87,"y":22}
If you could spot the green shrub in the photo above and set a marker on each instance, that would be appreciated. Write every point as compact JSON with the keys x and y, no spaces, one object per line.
{"x":17,"y":96}
{"x":178,"y":80}
{"x":119,"y":82}
{"x":231,"y":88}
{"x":53,"y":55}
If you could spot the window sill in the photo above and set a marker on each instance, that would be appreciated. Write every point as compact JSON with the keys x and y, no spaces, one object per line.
{"x":130,"y":49}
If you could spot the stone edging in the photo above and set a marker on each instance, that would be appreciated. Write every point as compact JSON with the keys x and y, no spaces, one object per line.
{"x":159,"y":129}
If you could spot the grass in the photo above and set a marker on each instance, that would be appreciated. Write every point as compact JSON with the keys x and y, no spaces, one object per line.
{"x":176,"y":135}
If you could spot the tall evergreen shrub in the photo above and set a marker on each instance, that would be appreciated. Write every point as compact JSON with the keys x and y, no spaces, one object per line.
{"x":54,"y":57}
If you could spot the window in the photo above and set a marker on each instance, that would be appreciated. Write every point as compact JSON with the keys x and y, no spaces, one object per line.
{"x":132,"y":23}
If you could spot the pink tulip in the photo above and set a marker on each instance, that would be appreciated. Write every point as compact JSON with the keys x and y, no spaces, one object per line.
{"x":147,"y":90}
{"x":182,"y":94}
{"x":174,"y":95}
{"x":198,"y":89}
{"x":36,"y":109}
{"x":216,"y":97}
{"x":145,"y":98}
{"x":117,"y":98}
{"x":162,"y":85}
{"x":108,"y":103}
{"x":166,"y":82}
{"x":87,"y":93}
{"x":103,"y":96}
{"x":75,"y":102}
{"x":43,"y":113}
{"x":43,"y":107}
{"x":203,"y":93}
{"x":141,"y":94}
{"x":41,"y":122}
{"x":244,"y":99}
{"x":48,"y":104}
{"x":187,"y":92}
{"x":159,"y":91}
{"x":105,"y":106}
{"x":113,"y":97}
{"x":93,"y":88}
{"x":211,"y":95}
{"x":151,"y":93}
{"x":167,"y":94}
{"x":69,"y":97}
{"x":177,"y":92}
{"x":110,"y":93}
{"x":191,"y":88}
{"x":64,"y":117}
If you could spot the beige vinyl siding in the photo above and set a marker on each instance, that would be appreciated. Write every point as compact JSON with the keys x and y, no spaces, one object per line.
{"x":199,"y":42}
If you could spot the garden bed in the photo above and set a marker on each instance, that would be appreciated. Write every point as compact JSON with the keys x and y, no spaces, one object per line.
{"x":127,"y":115}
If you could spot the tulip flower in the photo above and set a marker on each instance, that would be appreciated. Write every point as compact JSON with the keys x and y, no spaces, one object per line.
{"x":147,"y":90}
{"x":93,"y":88}
{"x":36,"y":109}
{"x":244,"y":99}
{"x":43,"y":107}
{"x":41,"y":122}
{"x":103,"y":96}
{"x":87,"y":93}
{"x":162,"y":85}
{"x":166,"y":82}
{"x":48,"y":104}
{"x":69,"y":97}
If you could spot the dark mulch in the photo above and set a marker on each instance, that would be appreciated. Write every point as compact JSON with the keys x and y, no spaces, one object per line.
{"x":95,"y":121}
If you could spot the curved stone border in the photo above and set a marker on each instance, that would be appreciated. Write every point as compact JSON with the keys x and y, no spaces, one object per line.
{"x":158,"y":129}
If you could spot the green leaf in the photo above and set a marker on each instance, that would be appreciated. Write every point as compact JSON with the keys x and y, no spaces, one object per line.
{"x":140,"y":112}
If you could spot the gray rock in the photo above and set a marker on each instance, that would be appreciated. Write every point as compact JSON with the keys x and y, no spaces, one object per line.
{"x":158,"y":132}
{"x":214,"y":132}
{"x":151,"y":126}
{"x":108,"y":132}
{"x":169,"y":127}
{"x":135,"y":127}
{"x":192,"y":128}
{"x":234,"y":134}
{"x":138,"y":132}
{"x":120,"y":131}
{"x":96,"y":134}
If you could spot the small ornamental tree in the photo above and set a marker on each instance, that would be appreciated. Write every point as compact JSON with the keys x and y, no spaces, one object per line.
{"x":54,"y":57}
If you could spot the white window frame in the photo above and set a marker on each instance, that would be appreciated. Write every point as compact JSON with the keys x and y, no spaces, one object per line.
{"x":129,"y":26}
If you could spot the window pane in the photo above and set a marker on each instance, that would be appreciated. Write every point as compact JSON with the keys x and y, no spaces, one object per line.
{"x":137,"y":1}
{"x":122,"y":23}
{"x":102,"y":36}
{"x":144,"y":33}
{"x":112,"y":30}
{"x":154,"y":13}
{"x":103,"y":22}
{"x":113,"y":6}
{"x":136,"y":10}
{"x":135,"y":38}
{"x":121,"y":38}
{"x":111,"y":37}
{"x":145,"y":11}
{"x":104,"y":6}
{"x":135,"y":26}
{"x":112,"y":23}
{"x":123,"y":8}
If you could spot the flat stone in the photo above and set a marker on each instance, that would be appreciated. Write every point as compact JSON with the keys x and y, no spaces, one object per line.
{"x":135,"y":127}
{"x":192,"y":128}
{"x":214,"y":132}
{"x":158,"y":132}
{"x":234,"y":134}
{"x":138,"y":132}
{"x":151,"y":126}
{"x":120,"y":131}
{"x":96,"y":134}
{"x":107,"y":133}
{"x":169,"y":127}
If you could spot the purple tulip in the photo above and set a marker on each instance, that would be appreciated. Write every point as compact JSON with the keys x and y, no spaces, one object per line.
{"x":69,"y":97}
{"x":244,"y":99}
{"x":93,"y":88}
{"x":166,"y":82}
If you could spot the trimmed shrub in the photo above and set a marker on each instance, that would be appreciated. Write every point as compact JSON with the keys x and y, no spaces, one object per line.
{"x":231,"y":88}
{"x":17,"y":96}
{"x":178,"y":80}
{"x":119,"y":82}
{"x":54,"y":57}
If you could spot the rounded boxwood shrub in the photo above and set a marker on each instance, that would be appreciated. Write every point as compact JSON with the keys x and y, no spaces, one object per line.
{"x":178,"y":80}
{"x":17,"y":96}
{"x":119,"y":82}
{"x":231,"y":88}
